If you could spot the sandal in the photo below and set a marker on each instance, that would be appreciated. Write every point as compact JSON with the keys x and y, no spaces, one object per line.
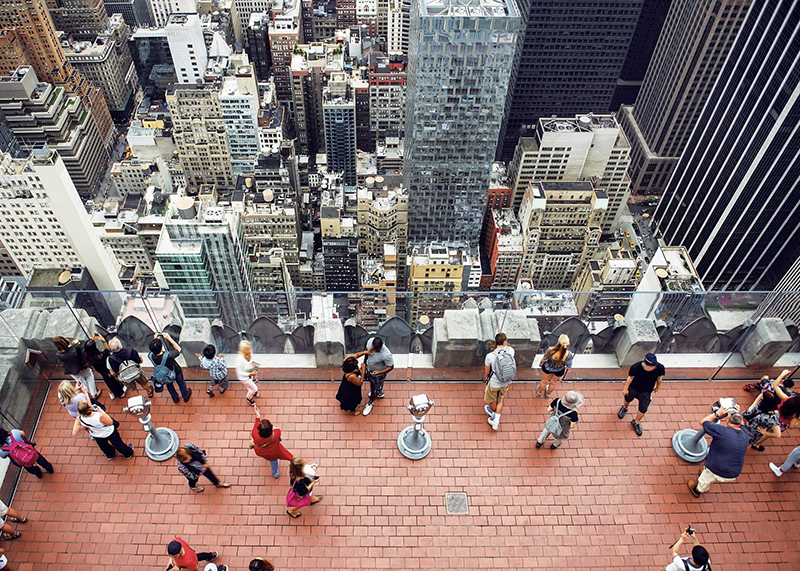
{"x":10,"y":536}
{"x":319,"y":499}
{"x":295,"y":516}
{"x":17,"y":520}
{"x":760,"y":447}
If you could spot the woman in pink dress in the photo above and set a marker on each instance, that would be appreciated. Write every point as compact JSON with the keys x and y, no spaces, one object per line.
{"x":302,"y":477}
{"x":266,"y":443}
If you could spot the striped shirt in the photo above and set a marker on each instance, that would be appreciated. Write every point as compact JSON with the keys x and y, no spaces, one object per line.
{"x":217,"y":368}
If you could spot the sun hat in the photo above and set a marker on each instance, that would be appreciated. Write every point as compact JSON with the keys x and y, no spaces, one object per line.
{"x":572,"y":399}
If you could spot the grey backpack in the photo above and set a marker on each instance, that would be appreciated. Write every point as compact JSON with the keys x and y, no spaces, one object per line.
{"x":504,"y":367}
{"x":553,"y":424}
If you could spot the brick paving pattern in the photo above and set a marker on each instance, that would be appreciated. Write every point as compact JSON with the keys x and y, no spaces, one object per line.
{"x":605,"y":500}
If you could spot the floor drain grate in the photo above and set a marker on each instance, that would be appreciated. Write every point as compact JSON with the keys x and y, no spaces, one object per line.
{"x":456,"y":503}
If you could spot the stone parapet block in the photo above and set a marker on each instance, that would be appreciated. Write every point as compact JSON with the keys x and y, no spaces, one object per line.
{"x":638,"y":338}
{"x":767,"y":343}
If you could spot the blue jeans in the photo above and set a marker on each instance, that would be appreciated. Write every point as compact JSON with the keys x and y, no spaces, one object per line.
{"x":181,"y":385}
{"x":794,"y":458}
{"x":275,"y":470}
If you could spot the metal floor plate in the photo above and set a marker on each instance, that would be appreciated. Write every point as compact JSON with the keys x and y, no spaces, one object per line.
{"x":456,"y":503}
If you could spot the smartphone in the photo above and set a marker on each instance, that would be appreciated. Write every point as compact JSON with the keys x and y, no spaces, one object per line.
{"x":690,"y":530}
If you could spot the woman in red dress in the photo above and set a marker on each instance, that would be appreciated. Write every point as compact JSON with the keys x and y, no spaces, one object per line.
{"x":266,"y":442}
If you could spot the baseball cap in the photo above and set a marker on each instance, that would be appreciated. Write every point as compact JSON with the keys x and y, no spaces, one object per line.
{"x":650,"y":359}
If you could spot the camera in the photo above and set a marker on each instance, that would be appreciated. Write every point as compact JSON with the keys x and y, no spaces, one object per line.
{"x":690,"y":530}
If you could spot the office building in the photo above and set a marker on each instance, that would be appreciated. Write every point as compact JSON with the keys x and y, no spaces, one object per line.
{"x":383,"y":220}
{"x":28,"y":38}
{"x":187,"y":45}
{"x":324,"y":24}
{"x":238,"y":100}
{"x":201,"y":249}
{"x":40,"y":113}
{"x":398,"y":18}
{"x":161,"y":9}
{"x":367,"y":16}
{"x":696,"y":41}
{"x":505,"y":249}
{"x":436,"y":276}
{"x":285,"y":32}
{"x":134,"y":176}
{"x":640,"y":52}
{"x":311,"y":69}
{"x":82,"y":19}
{"x":200,"y":135}
{"x":339,"y":242}
{"x":387,"y":96}
{"x":378,"y":301}
{"x":454,"y":111}
{"x":152,"y":58}
{"x":604,"y":286}
{"x":569,"y":62}
{"x":8,"y":140}
{"x":242,"y":13}
{"x":136,"y":13}
{"x":107,"y":63}
{"x":586,"y":147}
{"x":257,"y":33}
{"x":561,"y":231}
{"x":272,"y":127}
{"x":733,"y":201}
{"x":365,"y":138}
{"x":339,"y":113}
{"x":118,"y":229}
{"x":345,"y":14}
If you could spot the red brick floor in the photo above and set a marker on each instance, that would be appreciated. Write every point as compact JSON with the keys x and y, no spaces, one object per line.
{"x":605,"y":500}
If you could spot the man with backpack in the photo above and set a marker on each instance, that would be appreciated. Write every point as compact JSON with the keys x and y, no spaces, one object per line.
{"x":500,"y":368}
{"x":126,"y":366}
{"x":166,"y":370}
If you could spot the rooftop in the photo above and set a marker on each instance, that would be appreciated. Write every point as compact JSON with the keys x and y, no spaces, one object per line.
{"x":469,"y":8}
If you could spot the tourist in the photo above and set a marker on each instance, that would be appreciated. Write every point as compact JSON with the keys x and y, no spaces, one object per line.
{"x":555,"y":363}
{"x":499,"y":370}
{"x":563,"y":418}
{"x":70,"y":394}
{"x":103,"y":429}
{"x":349,"y":393}
{"x":763,"y":420}
{"x":644,"y":379}
{"x":166,"y":370}
{"x":97,"y":353}
{"x":302,"y":479}
{"x":699,"y":561}
{"x":765,"y":384}
{"x":265,"y":440}
{"x":792,"y":460}
{"x":789,"y":408}
{"x":217,"y":369}
{"x":726,"y":452}
{"x":192,"y":463}
{"x":247,"y":371}
{"x":8,"y":514}
{"x":76,"y":366}
{"x":259,"y":564}
{"x":184,"y":558}
{"x":379,"y":362}
{"x":22,"y":452}
{"x":126,"y":366}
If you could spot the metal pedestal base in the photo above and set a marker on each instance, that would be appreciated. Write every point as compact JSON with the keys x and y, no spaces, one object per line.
{"x":414,"y":443}
{"x":161,"y":444}
{"x":690,"y":445}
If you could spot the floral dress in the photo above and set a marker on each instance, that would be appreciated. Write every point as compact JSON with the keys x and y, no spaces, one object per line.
{"x":758,"y":419}
{"x":194,"y":468}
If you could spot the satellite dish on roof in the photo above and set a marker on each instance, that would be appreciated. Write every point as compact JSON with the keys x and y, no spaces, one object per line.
{"x":64,"y":277}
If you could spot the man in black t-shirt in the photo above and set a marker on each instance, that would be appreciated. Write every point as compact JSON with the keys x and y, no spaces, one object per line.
{"x":157,"y":355}
{"x":644,"y":379}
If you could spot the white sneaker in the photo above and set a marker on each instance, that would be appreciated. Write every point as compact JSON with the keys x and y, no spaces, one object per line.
{"x":367,"y":409}
{"x":493,"y":424}
{"x":124,"y":390}
{"x":488,"y":410}
{"x":797,"y":464}
{"x":775,"y":470}
{"x":111,"y":395}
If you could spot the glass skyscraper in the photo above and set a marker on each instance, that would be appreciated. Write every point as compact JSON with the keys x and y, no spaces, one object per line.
{"x":460,"y":58}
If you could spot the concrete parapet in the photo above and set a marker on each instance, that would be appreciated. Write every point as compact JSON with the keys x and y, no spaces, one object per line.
{"x":639,"y":338}
{"x":457,"y":339}
{"x":195,"y":335}
{"x":523,"y":333}
{"x":767,"y":343}
{"x":329,"y":342}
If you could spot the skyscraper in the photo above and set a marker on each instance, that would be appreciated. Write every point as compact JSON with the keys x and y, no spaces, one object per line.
{"x":187,"y":46}
{"x":8,"y":140}
{"x":257,"y":34}
{"x":569,"y":62}
{"x":161,"y":9}
{"x":339,"y":112}
{"x":84,"y":19}
{"x":734,"y":199}
{"x":696,"y":40}
{"x":640,"y":52}
{"x":460,"y":56}
{"x":135,"y":12}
